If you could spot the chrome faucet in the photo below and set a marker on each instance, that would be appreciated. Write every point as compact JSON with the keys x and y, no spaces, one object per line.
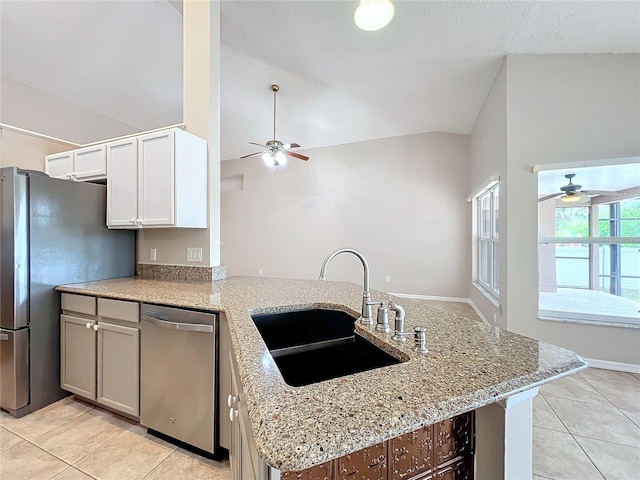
{"x":365,"y":317}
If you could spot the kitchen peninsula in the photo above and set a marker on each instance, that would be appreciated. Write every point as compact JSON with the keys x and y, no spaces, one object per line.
{"x":471,"y":367}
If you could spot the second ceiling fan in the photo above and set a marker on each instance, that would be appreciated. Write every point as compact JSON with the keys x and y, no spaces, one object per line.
{"x":276,"y":152}
{"x":573,"y":192}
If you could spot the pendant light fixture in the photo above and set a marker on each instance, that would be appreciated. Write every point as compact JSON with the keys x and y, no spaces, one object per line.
{"x":373,"y":14}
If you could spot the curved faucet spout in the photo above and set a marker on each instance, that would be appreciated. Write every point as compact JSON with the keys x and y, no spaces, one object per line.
{"x":366,"y":316}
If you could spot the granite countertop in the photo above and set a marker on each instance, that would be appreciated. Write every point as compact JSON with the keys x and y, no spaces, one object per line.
{"x":469,"y":365}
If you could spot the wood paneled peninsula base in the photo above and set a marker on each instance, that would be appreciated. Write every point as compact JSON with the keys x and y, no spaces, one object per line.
{"x":443,"y":451}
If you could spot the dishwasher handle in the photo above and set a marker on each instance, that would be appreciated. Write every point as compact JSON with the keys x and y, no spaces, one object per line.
{"x":191,"y":327}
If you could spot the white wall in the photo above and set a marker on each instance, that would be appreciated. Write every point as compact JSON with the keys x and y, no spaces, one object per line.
{"x":401,"y":201}
{"x":489,"y":158}
{"x":563,"y":108}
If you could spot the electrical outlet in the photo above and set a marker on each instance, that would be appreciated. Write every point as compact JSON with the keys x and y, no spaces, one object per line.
{"x":152,"y":254}
{"x":387,"y":279}
{"x":194,"y":254}
{"x":259,"y":271}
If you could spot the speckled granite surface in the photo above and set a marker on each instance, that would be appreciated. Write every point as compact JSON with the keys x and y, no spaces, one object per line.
{"x":181,"y":272}
{"x":469,"y":365}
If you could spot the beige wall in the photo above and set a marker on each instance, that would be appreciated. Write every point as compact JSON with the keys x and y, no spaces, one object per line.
{"x":488,"y":158}
{"x":25,"y":151}
{"x":561,"y":108}
{"x":40,"y":112}
{"x":401,"y":201}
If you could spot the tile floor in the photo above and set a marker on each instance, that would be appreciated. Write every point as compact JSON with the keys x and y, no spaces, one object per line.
{"x":71,"y":440}
{"x":587,"y":426}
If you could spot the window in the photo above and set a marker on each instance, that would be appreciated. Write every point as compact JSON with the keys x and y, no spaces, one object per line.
{"x":488,"y":272}
{"x":589,"y":251}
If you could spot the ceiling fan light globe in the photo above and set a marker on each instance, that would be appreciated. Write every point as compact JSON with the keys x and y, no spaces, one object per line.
{"x":268,"y":159}
{"x":281,"y":158}
{"x":576,"y":197}
{"x":373,"y":15}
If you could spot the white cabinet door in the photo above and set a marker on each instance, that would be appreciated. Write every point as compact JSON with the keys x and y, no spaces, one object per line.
{"x":59,"y":165}
{"x":78,"y":355}
{"x":156,"y":170}
{"x":122,"y":183}
{"x":90,"y":163}
{"x":119,"y":367}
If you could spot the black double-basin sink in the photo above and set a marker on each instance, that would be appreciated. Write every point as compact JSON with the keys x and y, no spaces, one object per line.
{"x":311,"y":346}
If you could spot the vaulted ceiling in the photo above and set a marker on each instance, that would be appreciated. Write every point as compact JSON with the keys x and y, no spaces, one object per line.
{"x":428,"y":70}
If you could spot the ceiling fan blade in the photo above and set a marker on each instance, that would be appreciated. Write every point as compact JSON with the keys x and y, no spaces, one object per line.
{"x":297,"y":155}
{"x":291,"y":145}
{"x":258,"y":144}
{"x":251,"y":155}
{"x":547,"y":197}
{"x":602,"y":192}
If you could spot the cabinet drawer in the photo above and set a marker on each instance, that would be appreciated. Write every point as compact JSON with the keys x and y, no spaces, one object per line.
{"x":79,"y":303}
{"x":119,"y":309}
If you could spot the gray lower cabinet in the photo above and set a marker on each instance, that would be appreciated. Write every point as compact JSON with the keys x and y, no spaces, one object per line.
{"x":243,"y":455}
{"x":100,"y":358}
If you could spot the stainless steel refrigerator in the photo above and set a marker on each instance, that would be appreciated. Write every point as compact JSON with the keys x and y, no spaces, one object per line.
{"x":52,"y":232}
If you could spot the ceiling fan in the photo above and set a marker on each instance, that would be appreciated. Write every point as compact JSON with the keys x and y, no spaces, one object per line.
{"x":276,"y":152}
{"x":572,"y":192}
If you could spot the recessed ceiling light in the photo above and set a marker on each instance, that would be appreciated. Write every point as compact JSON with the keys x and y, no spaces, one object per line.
{"x":373,"y":14}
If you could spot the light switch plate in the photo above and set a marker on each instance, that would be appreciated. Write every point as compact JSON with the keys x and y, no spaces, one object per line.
{"x":194,"y":254}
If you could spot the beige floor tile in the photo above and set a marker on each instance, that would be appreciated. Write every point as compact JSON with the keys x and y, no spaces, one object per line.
{"x":9,"y":440}
{"x":556,"y":455}
{"x":633,"y":416}
{"x":29,"y":463}
{"x":538,"y":477}
{"x":41,"y":421}
{"x":613,"y":376}
{"x":622,"y":395}
{"x":574,"y":388}
{"x":184,"y":464}
{"x":72,"y":473}
{"x":636,"y":375}
{"x":544,"y":416}
{"x":615,"y":462}
{"x":596,"y":421}
{"x":83,"y":434}
{"x":129,"y":456}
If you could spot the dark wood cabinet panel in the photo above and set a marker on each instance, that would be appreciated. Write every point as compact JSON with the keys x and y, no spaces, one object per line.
{"x":370,"y":463}
{"x":460,"y":470}
{"x":443,"y":451}
{"x":412,"y":454}
{"x":319,"y":472}
{"x":453,"y":438}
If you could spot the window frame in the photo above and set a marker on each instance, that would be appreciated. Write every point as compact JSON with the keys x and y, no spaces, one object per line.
{"x":490,"y":289}
{"x":489,"y":236}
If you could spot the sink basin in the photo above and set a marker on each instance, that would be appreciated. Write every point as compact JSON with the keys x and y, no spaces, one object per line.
{"x":310,"y":346}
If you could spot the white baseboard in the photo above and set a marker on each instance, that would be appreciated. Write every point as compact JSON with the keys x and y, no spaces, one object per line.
{"x":619,"y":366}
{"x":430,"y":297}
{"x":444,"y":299}
{"x":478,"y":312}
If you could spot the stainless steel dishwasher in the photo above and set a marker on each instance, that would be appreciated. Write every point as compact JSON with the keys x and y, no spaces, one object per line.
{"x":178,"y":378}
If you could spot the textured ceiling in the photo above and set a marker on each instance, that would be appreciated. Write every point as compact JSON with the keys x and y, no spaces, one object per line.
{"x":429,"y":70}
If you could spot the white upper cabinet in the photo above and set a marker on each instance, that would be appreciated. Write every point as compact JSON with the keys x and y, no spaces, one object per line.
{"x":157,"y":180}
{"x":122,"y":183}
{"x":87,"y":163}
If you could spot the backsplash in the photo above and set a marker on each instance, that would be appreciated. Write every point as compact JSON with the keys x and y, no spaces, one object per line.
{"x":181,"y":272}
